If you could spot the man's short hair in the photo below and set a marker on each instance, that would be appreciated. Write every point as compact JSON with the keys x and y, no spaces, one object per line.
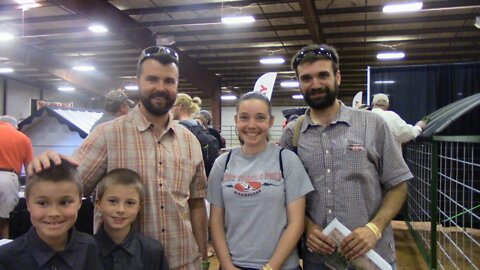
{"x":114,"y":100}
{"x":65,"y":172}
{"x":9,"y":119}
{"x":125,"y":177}
{"x":313,"y":53}
{"x":380,"y":100}
{"x":162,"y":54}
{"x":206,"y":114}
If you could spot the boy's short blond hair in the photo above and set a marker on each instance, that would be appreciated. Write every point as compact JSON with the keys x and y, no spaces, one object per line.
{"x":65,"y":172}
{"x":125,"y":177}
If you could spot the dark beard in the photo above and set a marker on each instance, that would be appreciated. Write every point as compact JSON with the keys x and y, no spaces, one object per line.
{"x":153,"y":109}
{"x":327,"y":101}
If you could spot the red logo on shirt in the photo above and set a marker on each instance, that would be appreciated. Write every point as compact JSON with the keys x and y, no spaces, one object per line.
{"x":247,"y":188}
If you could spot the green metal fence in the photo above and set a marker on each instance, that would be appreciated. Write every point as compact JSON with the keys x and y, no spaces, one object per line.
{"x":443,"y":204}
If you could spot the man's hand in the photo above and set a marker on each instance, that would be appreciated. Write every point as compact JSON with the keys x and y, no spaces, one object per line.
{"x":317,"y":241}
{"x":421,"y":124}
{"x":45,"y":160}
{"x":357,"y":243}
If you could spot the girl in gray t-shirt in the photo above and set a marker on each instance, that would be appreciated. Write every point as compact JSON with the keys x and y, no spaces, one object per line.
{"x":257,"y":195}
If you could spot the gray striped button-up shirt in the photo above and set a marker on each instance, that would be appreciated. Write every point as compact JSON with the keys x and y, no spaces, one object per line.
{"x":352,"y":163}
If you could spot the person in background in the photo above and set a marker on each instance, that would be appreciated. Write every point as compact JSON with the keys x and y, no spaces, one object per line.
{"x":53,"y":197}
{"x":167,"y":157}
{"x":15,"y":150}
{"x":119,"y":198}
{"x":351,"y":157}
{"x":402,"y":131}
{"x":290,"y":119}
{"x":205,"y":118}
{"x":257,"y":195}
{"x":116,"y":104}
{"x":185,"y":108}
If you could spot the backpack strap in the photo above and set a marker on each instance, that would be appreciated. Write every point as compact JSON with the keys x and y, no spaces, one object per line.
{"x":279,"y":158}
{"x":185,"y":123}
{"x":296,"y":133}
{"x":228,"y":159}
{"x":281,"y":162}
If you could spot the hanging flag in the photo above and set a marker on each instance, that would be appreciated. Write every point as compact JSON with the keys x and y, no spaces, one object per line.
{"x":265,"y":83}
{"x":357,"y":100}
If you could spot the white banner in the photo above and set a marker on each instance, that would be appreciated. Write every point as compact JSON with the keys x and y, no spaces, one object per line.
{"x":265,"y":83}
{"x":357,"y":100}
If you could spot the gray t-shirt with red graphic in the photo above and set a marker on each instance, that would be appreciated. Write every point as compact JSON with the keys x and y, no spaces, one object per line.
{"x":255,"y":196}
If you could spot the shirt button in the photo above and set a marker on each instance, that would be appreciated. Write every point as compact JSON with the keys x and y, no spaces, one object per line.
{"x":328,"y":170}
{"x":160,"y":184}
{"x":326,"y":151}
{"x":161,"y":207}
{"x":160,"y":163}
{"x":329,"y":211}
{"x":324,"y":134}
{"x":163,"y":230}
{"x":329,"y":191}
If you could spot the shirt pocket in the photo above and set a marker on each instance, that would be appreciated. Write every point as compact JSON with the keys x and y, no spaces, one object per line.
{"x":355,"y":161}
{"x":179,"y":174}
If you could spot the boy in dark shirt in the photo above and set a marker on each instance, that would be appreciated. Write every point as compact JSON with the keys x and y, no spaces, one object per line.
{"x":53,"y":199}
{"x":119,"y":199}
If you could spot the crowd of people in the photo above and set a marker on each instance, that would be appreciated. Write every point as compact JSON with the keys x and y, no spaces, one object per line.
{"x":269,"y":203}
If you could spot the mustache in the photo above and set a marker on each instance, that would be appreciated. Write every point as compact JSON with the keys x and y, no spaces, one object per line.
{"x":159,"y":94}
{"x":318,"y":90}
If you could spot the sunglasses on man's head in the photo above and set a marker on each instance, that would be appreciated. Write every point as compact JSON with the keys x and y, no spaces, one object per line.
{"x":156,"y":51}
{"x":314,"y":52}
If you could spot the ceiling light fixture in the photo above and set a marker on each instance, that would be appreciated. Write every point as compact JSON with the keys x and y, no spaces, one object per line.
{"x":6,"y":36}
{"x":390,"y":55}
{"x":272,"y":60}
{"x":97,"y":28}
{"x":131,"y":87}
{"x":66,"y":88}
{"x":298,"y":96}
{"x":228,"y":97}
{"x":27,"y":4}
{"x":477,"y":22}
{"x":84,"y":68}
{"x":238,"y":19}
{"x":397,"y":8}
{"x":384,"y":82}
{"x":6,"y":70}
{"x":289,"y":84}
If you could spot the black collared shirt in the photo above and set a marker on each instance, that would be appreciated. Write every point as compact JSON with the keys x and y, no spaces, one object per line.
{"x":30,"y":252}
{"x":137,"y":252}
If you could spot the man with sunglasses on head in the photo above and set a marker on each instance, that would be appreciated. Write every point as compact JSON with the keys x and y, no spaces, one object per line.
{"x":166,"y":156}
{"x":351,"y":157}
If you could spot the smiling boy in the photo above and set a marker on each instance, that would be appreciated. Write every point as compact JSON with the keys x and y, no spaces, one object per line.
{"x":53,"y":200}
{"x":119,"y":199}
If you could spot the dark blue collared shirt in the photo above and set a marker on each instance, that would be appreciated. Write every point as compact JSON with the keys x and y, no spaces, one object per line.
{"x":30,"y":252}
{"x":137,"y":252}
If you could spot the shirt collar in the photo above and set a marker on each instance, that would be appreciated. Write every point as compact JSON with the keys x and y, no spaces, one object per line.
{"x":43,"y":253}
{"x":141,"y":121}
{"x":129,"y":245}
{"x":344,"y":116}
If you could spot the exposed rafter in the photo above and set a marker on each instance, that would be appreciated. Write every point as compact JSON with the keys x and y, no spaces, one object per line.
{"x":312,"y":21}
{"x":127,"y":28}
{"x":51,"y":64}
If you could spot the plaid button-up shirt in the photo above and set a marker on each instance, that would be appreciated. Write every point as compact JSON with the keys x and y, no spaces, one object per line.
{"x":352,"y":163}
{"x":171,"y":167}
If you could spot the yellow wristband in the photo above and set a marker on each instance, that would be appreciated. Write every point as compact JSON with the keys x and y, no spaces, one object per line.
{"x":375,"y":230}
{"x":267,"y":267}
